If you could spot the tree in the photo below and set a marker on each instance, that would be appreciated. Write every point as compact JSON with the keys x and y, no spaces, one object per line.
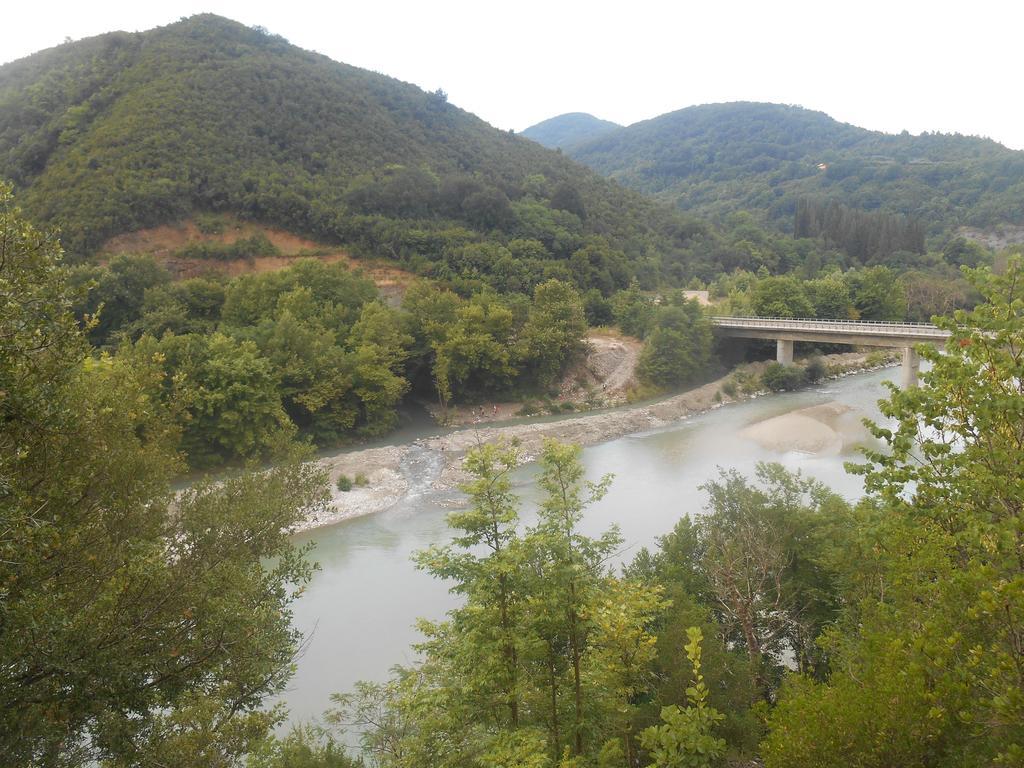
{"x":830,"y":296}
{"x":553,"y":335}
{"x":543,"y":663}
{"x":623,"y":650}
{"x":764,"y":567}
{"x":118,"y":293}
{"x":927,"y":659}
{"x":678,"y":350}
{"x":633,"y":311}
{"x":781,"y":297}
{"x":877,"y":294}
{"x":492,"y":582}
{"x":571,"y":566}
{"x":567,"y":198}
{"x":134,"y":625}
{"x":228,"y":391}
{"x":685,"y":740}
{"x":476,"y":353}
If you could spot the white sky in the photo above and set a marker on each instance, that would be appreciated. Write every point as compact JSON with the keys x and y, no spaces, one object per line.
{"x":893,"y":65}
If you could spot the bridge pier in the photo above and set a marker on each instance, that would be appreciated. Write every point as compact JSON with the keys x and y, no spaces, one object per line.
{"x":784,"y":351}
{"x":908,"y":371}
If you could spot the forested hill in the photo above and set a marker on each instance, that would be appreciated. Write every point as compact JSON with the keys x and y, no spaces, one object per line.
{"x":568,"y":129}
{"x":129,"y":130}
{"x":718,"y":158}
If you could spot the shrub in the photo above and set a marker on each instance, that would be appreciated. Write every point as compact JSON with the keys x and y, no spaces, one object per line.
{"x":875,"y":359}
{"x":530,"y":408}
{"x":815,"y":369}
{"x":729,"y":387}
{"x":344,"y":483}
{"x":778,"y":377}
{"x":361,"y":480}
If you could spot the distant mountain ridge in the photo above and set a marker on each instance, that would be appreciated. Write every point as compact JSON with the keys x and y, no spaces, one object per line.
{"x":715,"y":159}
{"x":568,"y":129}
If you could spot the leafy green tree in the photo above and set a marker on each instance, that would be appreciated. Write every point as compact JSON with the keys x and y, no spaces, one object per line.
{"x":380,"y":346}
{"x":477,"y":349}
{"x":492,"y":583}
{"x":553,"y":335}
{"x":678,"y":349}
{"x":926,"y":658}
{"x":227,"y":394}
{"x":544,"y":662}
{"x":376,"y":712}
{"x":117,"y":293}
{"x":302,"y":747}
{"x":778,"y":377}
{"x":877,"y":294}
{"x":314,"y":372}
{"x":685,"y":740}
{"x":429,"y":312}
{"x":830,"y":297}
{"x":570,"y":574}
{"x":566,"y":197}
{"x":764,"y":565}
{"x":633,"y":311}
{"x":598,"y":265}
{"x":961,"y":252}
{"x":136,"y":627}
{"x":186,"y":306}
{"x":781,"y":297}
{"x":622,"y":651}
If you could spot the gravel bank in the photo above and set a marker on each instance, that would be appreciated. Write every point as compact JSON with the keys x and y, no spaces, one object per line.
{"x":388,"y":484}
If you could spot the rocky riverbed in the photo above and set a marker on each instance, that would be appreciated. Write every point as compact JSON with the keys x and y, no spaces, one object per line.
{"x":386,"y":468}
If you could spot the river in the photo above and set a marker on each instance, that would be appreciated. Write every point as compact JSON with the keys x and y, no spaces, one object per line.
{"x":358,"y":613}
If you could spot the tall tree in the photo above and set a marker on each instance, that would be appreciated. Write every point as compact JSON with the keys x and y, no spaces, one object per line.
{"x":553,"y":334}
{"x":678,"y":350}
{"x":134,"y":626}
{"x":491,"y":581}
{"x":573,"y":565}
{"x":928,"y":664}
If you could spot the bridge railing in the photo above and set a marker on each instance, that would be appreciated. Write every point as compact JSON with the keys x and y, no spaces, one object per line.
{"x":879,"y":327}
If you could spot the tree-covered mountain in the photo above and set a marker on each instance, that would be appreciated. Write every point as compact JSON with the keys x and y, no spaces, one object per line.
{"x":718,"y":158}
{"x":130,"y":130}
{"x":568,"y":129}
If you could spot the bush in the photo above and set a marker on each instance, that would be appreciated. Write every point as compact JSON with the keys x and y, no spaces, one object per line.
{"x":344,"y":483}
{"x":875,"y":359}
{"x":778,"y":377}
{"x":530,"y":408}
{"x":815,"y":370}
{"x":729,"y":387}
{"x":362,"y":480}
{"x":243,"y":248}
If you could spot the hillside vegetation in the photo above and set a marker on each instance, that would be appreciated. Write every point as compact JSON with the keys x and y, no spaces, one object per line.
{"x":125,"y":131}
{"x":568,"y":129}
{"x":719,"y":158}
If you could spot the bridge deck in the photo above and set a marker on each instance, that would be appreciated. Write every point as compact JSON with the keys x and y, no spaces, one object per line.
{"x":802,"y":329}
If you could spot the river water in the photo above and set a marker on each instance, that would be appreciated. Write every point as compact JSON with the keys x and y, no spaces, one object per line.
{"x":358,"y":613}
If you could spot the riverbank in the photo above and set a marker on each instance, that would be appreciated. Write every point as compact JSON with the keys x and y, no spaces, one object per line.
{"x":388,"y":483}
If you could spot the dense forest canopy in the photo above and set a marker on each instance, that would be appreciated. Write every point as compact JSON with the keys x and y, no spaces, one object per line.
{"x":718,"y":158}
{"x":124,"y":131}
{"x":206,"y":117}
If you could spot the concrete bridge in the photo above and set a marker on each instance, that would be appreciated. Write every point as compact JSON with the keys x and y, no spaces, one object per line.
{"x":784,"y":331}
